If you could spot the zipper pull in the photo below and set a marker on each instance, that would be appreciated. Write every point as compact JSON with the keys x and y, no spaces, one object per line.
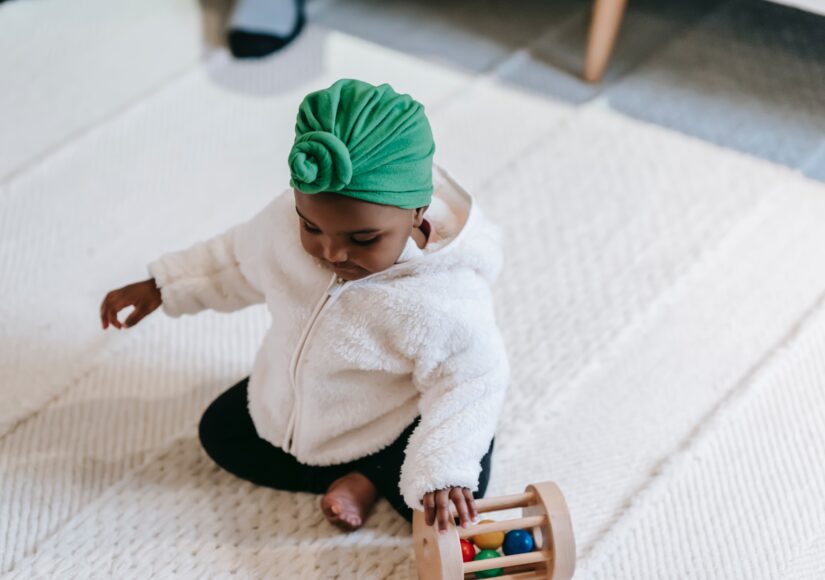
{"x":336,"y":289}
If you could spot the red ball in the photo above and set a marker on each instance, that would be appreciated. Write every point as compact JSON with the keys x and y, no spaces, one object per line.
{"x":468,"y":551}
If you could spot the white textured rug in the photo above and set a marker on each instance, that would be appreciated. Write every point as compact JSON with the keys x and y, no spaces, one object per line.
{"x":662,"y":302}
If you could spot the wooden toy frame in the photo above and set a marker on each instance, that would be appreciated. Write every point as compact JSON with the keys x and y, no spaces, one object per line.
{"x":544,"y":514}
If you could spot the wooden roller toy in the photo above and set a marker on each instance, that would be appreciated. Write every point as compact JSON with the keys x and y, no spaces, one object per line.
{"x":544,"y":515}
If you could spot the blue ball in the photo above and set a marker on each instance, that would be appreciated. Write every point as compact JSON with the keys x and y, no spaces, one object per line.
{"x":517,"y":542}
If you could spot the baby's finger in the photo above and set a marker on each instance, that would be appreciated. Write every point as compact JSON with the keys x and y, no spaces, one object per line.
{"x":471,"y":504}
{"x":107,"y":313}
{"x":114,"y":308}
{"x":461,"y":507}
{"x":442,"y":502}
{"x":429,"y":509}
{"x":105,"y":310}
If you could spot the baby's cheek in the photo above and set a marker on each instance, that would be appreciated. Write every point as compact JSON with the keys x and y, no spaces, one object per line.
{"x":381,"y":258}
{"x":307,"y":244}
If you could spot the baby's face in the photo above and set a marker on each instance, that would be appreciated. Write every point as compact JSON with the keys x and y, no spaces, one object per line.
{"x":353,"y":238}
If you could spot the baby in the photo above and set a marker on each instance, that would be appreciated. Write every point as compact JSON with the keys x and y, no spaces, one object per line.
{"x":384,"y":371}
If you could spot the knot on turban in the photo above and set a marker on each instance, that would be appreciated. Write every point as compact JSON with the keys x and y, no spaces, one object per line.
{"x":320,"y":161}
{"x":363,"y":141}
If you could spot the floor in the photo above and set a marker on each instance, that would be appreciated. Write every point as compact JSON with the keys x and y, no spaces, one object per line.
{"x":662,"y":299}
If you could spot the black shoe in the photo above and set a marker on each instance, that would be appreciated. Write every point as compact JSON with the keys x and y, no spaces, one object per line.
{"x":243,"y":44}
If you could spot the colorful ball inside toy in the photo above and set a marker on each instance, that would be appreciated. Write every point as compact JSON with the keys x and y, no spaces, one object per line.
{"x":517,"y":542}
{"x":485,"y":555}
{"x":468,"y":551}
{"x":489,"y":541}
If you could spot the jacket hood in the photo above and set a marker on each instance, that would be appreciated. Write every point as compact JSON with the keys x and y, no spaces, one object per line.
{"x":468,"y":240}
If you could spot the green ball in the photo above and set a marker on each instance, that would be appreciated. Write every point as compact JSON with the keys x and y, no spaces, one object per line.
{"x":484,"y":555}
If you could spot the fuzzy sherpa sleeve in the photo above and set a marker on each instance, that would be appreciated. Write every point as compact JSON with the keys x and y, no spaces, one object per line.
{"x":462,"y":374}
{"x":221,"y":273}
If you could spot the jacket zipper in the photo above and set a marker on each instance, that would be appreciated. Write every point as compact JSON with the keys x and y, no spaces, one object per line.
{"x":334,"y":288}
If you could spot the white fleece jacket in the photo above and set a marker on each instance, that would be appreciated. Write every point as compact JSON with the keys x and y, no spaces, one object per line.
{"x":347,"y":366}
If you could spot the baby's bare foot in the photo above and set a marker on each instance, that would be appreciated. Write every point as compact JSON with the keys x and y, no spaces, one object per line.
{"x":348,"y":501}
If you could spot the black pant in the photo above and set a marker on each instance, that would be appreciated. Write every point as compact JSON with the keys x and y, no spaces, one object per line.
{"x":229,"y":437}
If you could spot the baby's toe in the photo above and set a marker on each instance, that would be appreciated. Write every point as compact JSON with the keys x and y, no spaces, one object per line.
{"x":330,"y":508}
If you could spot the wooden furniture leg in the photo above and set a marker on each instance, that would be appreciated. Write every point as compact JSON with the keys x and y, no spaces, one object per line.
{"x":604,"y":28}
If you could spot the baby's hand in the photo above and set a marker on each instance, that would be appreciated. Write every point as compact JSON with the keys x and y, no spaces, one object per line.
{"x":437,"y":507}
{"x":144,"y":296}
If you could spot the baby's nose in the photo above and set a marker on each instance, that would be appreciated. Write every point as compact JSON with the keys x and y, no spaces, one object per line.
{"x":334,"y":252}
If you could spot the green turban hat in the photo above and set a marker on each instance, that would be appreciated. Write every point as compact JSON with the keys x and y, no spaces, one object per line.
{"x":365,"y":142}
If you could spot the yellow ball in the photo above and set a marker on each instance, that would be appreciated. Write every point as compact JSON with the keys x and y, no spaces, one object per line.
{"x":489,"y":541}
